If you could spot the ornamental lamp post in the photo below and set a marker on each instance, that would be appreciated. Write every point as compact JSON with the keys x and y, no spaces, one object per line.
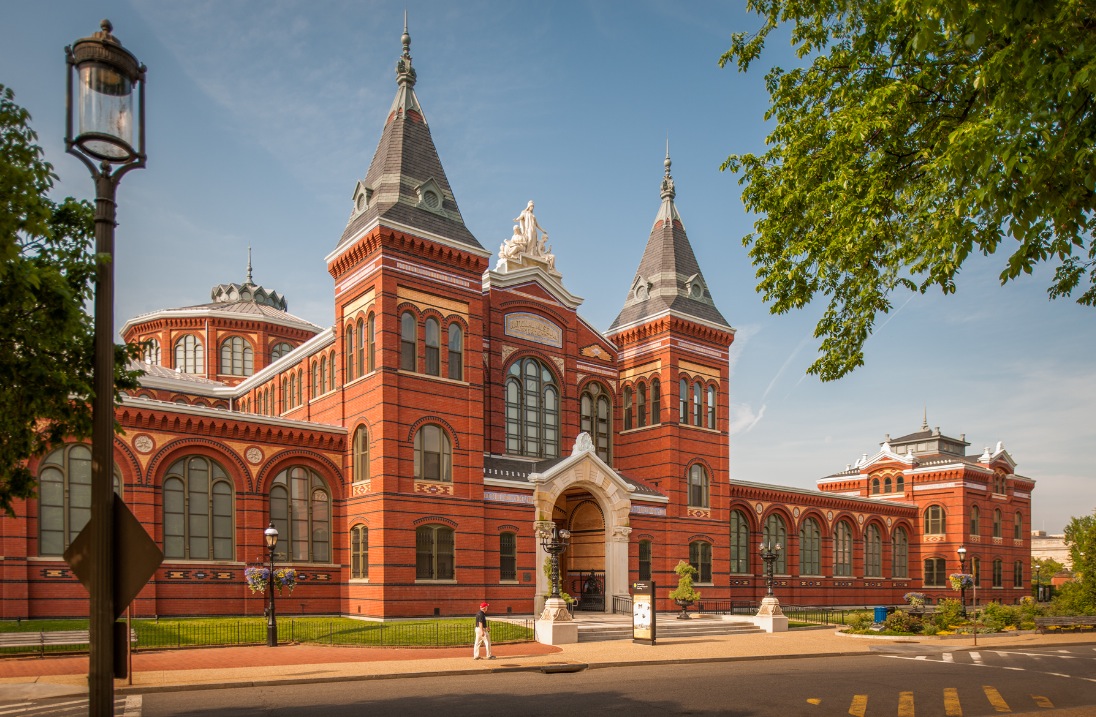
{"x":1038,"y":586}
{"x":270,"y":535}
{"x":963,"y":583}
{"x":110,"y":141}
{"x":769,"y":553}
{"x":554,"y":544}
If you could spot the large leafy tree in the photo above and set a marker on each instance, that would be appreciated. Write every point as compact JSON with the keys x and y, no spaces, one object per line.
{"x":46,"y":336}
{"x":1081,"y":540}
{"x":915,"y":133}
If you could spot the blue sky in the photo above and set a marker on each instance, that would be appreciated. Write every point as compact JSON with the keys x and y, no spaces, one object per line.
{"x":263,"y":115}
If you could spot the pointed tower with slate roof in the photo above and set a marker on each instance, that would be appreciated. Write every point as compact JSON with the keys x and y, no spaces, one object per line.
{"x":674,"y":379}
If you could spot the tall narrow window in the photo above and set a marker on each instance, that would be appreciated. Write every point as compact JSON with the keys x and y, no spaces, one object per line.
{"x":683,"y":401}
{"x":323,"y":374}
{"x":532,"y":410}
{"x":433,"y":552}
{"x":433,"y":454}
{"x":359,"y":552}
{"x":456,"y":353}
{"x":151,"y":353}
{"x":998,"y":577}
{"x":284,"y":399}
{"x":873,"y":552}
{"x":935,"y":569}
{"x":331,"y":371}
{"x":317,"y":382}
{"x":899,"y":484}
{"x":359,"y":350}
{"x":711,"y":407}
{"x":700,"y":557}
{"x":874,"y":486}
{"x":842,"y":550}
{"x":934,"y":520}
{"x":594,"y":416}
{"x":997,"y":522}
{"x":888,"y":485}
{"x":976,"y":571}
{"x":371,"y":342}
{"x":645,"y":560}
{"x":1018,"y":574}
{"x":198,"y":513}
{"x":900,"y":558}
{"x":433,"y":347}
{"x":974,"y":519}
{"x":361,"y":455}
{"x":698,"y":486}
{"x":773,"y":532}
{"x":641,"y":405}
{"x":810,"y":548}
{"x":740,"y":542}
{"x":698,"y":408}
{"x":300,"y":508}
{"x":349,"y":353}
{"x":189,"y":356}
{"x":237,"y":357}
{"x":300,"y":387}
{"x":64,"y":496}
{"x":628,"y":408}
{"x":656,"y":402}
{"x":508,"y":557}
{"x":1018,"y":526}
{"x":408,"y":342}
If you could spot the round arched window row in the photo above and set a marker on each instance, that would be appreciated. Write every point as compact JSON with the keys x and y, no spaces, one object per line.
{"x":300,"y":508}
{"x":532,"y":410}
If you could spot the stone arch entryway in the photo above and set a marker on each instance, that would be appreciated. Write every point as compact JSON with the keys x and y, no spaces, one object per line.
{"x":588,"y":498}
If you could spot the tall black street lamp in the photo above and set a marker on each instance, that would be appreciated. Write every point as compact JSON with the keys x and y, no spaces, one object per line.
{"x":554,"y":544}
{"x":963,"y":570}
{"x":769,"y":553}
{"x":104,"y":75}
{"x":270,"y":535}
{"x":1038,"y":586}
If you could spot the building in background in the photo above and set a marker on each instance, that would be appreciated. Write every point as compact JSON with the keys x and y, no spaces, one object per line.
{"x":412,"y":453}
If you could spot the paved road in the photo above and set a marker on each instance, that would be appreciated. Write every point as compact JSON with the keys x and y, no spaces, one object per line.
{"x":908,"y":681}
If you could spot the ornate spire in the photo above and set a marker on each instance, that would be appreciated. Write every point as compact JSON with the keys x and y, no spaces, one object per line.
{"x":405,"y":101}
{"x":925,"y":418}
{"x":249,"y":280}
{"x":405,"y":73}
{"x":667,"y":212}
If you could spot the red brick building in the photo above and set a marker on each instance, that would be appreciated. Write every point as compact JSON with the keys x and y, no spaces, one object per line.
{"x":410,"y":454}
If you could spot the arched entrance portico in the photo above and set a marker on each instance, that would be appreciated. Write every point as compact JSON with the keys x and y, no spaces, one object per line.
{"x":590,"y":499}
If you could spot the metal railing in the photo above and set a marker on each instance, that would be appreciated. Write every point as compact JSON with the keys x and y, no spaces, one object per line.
{"x":622,"y":604}
{"x":726,"y":607}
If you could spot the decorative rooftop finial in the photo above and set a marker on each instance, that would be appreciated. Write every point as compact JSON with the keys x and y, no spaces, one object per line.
{"x":249,"y":281}
{"x":405,"y":73}
{"x":925,"y":418}
{"x":667,"y":180}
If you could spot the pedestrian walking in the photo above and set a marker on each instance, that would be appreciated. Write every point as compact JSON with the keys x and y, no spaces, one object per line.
{"x":483,"y":633}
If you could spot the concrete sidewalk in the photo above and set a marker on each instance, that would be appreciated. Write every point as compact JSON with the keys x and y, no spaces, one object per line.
{"x":207,"y":668}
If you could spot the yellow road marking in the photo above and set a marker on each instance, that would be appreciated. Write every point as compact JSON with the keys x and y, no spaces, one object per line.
{"x":905,"y":704}
{"x":859,"y":705}
{"x":1041,"y":701}
{"x":951,"y":702}
{"x":814,"y":701}
{"x":996,"y":699}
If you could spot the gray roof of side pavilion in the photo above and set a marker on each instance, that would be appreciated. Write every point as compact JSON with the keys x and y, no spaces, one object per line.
{"x":404,"y":167}
{"x":668,"y":280}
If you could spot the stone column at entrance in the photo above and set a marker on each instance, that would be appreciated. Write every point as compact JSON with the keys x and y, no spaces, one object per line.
{"x":616,"y":564}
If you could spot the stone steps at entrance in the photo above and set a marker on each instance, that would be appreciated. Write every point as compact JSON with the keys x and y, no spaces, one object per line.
{"x":668,"y":626}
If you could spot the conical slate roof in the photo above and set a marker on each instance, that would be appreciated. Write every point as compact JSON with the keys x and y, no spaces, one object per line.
{"x":406,"y":185}
{"x":669,"y":280}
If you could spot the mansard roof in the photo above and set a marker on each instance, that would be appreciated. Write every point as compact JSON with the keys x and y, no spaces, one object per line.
{"x":669,"y":279}
{"x":406,"y":187}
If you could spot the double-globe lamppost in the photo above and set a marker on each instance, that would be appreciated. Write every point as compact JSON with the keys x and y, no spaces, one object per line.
{"x":270,"y":535}
{"x":110,"y":141}
{"x":555,"y":543}
{"x":769,"y":553}
{"x":962,"y":550}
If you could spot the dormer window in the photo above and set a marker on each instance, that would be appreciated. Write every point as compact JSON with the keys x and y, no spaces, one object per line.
{"x":694,"y":285}
{"x":641,"y":289}
{"x":430,"y":196}
{"x":362,"y":195}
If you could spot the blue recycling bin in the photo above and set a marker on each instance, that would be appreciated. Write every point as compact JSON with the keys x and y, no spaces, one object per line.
{"x":880,"y":614}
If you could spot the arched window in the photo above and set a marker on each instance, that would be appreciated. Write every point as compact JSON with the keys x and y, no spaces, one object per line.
{"x":64,"y":496}
{"x":842,"y":550}
{"x":997,"y":522}
{"x":900,"y":559}
{"x":433,"y":552}
{"x":300,"y":387}
{"x":409,"y":346}
{"x":359,"y":349}
{"x":698,"y":409}
{"x":935,"y":569}
{"x":698,"y":486}
{"x":323,"y":374}
{"x":888,"y":485}
{"x":683,"y":401}
{"x":874,"y":486}
{"x":627,"y":408}
{"x":1018,"y":526}
{"x":656,"y":402}
{"x":976,"y":571}
{"x":280,"y":349}
{"x":641,"y":405}
{"x":595,"y":411}
{"x":152,"y":352}
{"x":899,"y":484}
{"x":873,"y":552}
{"x":371,"y":342}
{"x":645,"y":560}
{"x":740,"y":542}
{"x":998,"y":570}
{"x":331,"y":371}
{"x":774,"y":531}
{"x":300,"y":508}
{"x":711,"y":407}
{"x":198,"y":513}
{"x":361,"y":454}
{"x":810,"y":548}
{"x":532,"y":410}
{"x":285,"y":395}
{"x":317,"y":382}
{"x":456,"y":353}
{"x":974,"y":520}
{"x":433,"y":347}
{"x":934,"y":520}
{"x":292,"y":390}
{"x":508,"y":557}
{"x":359,"y":552}
{"x":189,"y":355}
{"x":1018,"y":574}
{"x":700,"y":557}
{"x":433,"y":454}
{"x":349,"y":353}
{"x":236,"y":357}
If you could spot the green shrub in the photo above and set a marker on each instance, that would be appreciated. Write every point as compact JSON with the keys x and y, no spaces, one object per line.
{"x":1071,"y":600}
{"x":859,"y":621}
{"x":899,"y":621}
{"x":929,"y":628}
{"x":948,"y":613}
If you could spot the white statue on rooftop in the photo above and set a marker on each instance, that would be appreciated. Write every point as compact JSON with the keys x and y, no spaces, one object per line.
{"x":528,"y":245}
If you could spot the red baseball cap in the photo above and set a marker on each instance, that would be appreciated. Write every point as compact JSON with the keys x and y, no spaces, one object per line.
{"x":484,"y":606}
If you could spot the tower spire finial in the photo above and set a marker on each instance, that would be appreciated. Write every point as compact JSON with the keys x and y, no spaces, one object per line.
{"x":667,"y":181}
{"x":405,"y":73}
{"x":925,"y":418}
{"x":249,"y":281}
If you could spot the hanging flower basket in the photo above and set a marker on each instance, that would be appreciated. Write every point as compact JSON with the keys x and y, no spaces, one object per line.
{"x":259,"y":578}
{"x":915,"y":599}
{"x":961,"y":580}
